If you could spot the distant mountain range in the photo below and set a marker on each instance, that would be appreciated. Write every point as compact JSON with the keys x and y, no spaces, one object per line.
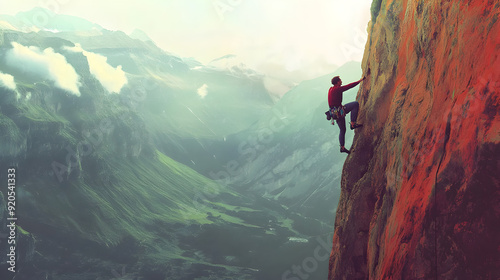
{"x":131,"y":156}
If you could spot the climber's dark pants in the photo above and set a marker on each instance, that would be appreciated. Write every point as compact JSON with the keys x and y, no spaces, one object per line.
{"x":353,"y":108}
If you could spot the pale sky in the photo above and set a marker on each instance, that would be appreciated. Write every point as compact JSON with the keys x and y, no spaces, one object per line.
{"x":288,"y":39}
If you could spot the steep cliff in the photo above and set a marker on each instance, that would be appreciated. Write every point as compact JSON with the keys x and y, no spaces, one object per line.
{"x":420,"y":192}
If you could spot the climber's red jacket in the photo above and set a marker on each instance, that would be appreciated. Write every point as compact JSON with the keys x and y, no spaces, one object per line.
{"x":335,"y":94}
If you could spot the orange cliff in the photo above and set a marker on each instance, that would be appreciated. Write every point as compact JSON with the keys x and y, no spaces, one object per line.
{"x":420,"y":192}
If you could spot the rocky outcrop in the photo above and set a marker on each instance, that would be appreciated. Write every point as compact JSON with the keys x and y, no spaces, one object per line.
{"x":420,"y":192}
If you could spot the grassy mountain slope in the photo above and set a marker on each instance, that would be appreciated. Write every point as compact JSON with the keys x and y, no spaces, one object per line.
{"x":98,"y":193}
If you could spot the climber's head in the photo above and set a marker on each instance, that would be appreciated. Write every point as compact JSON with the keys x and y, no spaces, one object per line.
{"x":336,"y":81}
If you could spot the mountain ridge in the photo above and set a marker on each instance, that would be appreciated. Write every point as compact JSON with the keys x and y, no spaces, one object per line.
{"x":40,"y":18}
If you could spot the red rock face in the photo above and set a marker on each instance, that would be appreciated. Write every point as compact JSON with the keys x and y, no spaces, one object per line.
{"x":420,"y":193}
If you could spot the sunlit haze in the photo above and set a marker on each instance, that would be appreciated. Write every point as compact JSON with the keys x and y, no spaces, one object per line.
{"x":289,"y":40}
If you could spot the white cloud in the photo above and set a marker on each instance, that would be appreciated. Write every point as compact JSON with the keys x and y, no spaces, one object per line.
{"x":202,"y":91}
{"x":47,"y":64}
{"x":7,"y":81}
{"x":112,"y":79}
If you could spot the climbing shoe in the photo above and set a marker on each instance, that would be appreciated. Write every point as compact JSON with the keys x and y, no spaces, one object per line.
{"x":344,"y":150}
{"x":355,"y":125}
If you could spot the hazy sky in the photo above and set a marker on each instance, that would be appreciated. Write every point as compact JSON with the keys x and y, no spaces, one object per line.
{"x":292,"y":39}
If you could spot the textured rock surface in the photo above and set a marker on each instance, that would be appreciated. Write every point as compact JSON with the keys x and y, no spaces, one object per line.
{"x":420,"y":193}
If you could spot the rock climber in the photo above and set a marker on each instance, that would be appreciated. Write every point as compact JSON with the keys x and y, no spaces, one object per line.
{"x":335,"y":103}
